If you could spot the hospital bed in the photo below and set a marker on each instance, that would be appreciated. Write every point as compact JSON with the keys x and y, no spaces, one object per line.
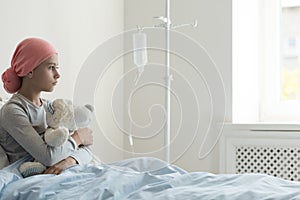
{"x":142,"y":178}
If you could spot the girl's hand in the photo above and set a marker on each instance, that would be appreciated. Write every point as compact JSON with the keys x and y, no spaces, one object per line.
{"x":83,"y":136}
{"x":60,"y":166}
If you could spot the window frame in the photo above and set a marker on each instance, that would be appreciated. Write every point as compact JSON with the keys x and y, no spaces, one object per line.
{"x":256,"y":64}
{"x":272,"y":109}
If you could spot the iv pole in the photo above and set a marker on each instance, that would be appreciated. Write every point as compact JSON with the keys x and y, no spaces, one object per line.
{"x":167,"y":130}
{"x":167,"y":25}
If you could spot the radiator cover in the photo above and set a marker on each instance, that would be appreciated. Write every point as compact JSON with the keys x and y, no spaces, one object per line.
{"x":283,"y":162}
{"x":272,"y":152}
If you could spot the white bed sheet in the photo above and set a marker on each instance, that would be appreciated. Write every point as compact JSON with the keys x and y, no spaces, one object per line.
{"x":142,"y":178}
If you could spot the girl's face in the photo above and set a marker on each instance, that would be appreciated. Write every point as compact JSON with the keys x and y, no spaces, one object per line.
{"x":44,"y":77}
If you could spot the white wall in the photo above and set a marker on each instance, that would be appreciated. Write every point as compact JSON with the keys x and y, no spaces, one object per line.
{"x":214,"y":34}
{"x":75,"y":28}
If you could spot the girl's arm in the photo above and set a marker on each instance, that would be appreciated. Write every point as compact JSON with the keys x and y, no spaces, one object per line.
{"x":82,"y":156}
{"x":18,"y":125}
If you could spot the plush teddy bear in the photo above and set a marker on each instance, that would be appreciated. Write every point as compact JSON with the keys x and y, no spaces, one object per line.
{"x":62,"y":117}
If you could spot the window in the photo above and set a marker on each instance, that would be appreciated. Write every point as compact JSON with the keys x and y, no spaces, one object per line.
{"x":266,"y":61}
{"x":290,"y":47}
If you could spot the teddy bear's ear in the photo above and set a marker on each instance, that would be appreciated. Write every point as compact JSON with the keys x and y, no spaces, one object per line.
{"x":62,"y":114}
{"x":50,"y":108}
{"x":90,"y":107}
{"x":83,"y":115}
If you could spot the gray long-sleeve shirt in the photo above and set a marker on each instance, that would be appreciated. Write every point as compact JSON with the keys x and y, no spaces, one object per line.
{"x":22,"y":125}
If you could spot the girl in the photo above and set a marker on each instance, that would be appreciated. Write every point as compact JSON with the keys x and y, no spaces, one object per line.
{"x":33,"y":70}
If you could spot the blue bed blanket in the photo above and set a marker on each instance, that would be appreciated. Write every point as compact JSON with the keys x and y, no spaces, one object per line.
{"x":142,"y":178}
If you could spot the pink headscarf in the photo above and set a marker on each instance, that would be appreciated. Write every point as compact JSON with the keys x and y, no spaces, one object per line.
{"x":29,"y":54}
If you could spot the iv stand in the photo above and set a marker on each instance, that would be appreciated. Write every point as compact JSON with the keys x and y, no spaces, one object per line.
{"x":167,"y":130}
{"x":168,"y":76}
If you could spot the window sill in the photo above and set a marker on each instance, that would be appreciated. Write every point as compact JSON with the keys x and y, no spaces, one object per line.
{"x":263,"y":126}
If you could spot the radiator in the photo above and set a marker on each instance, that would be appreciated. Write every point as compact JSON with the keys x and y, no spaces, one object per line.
{"x":250,"y":150}
{"x":283,"y":162}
